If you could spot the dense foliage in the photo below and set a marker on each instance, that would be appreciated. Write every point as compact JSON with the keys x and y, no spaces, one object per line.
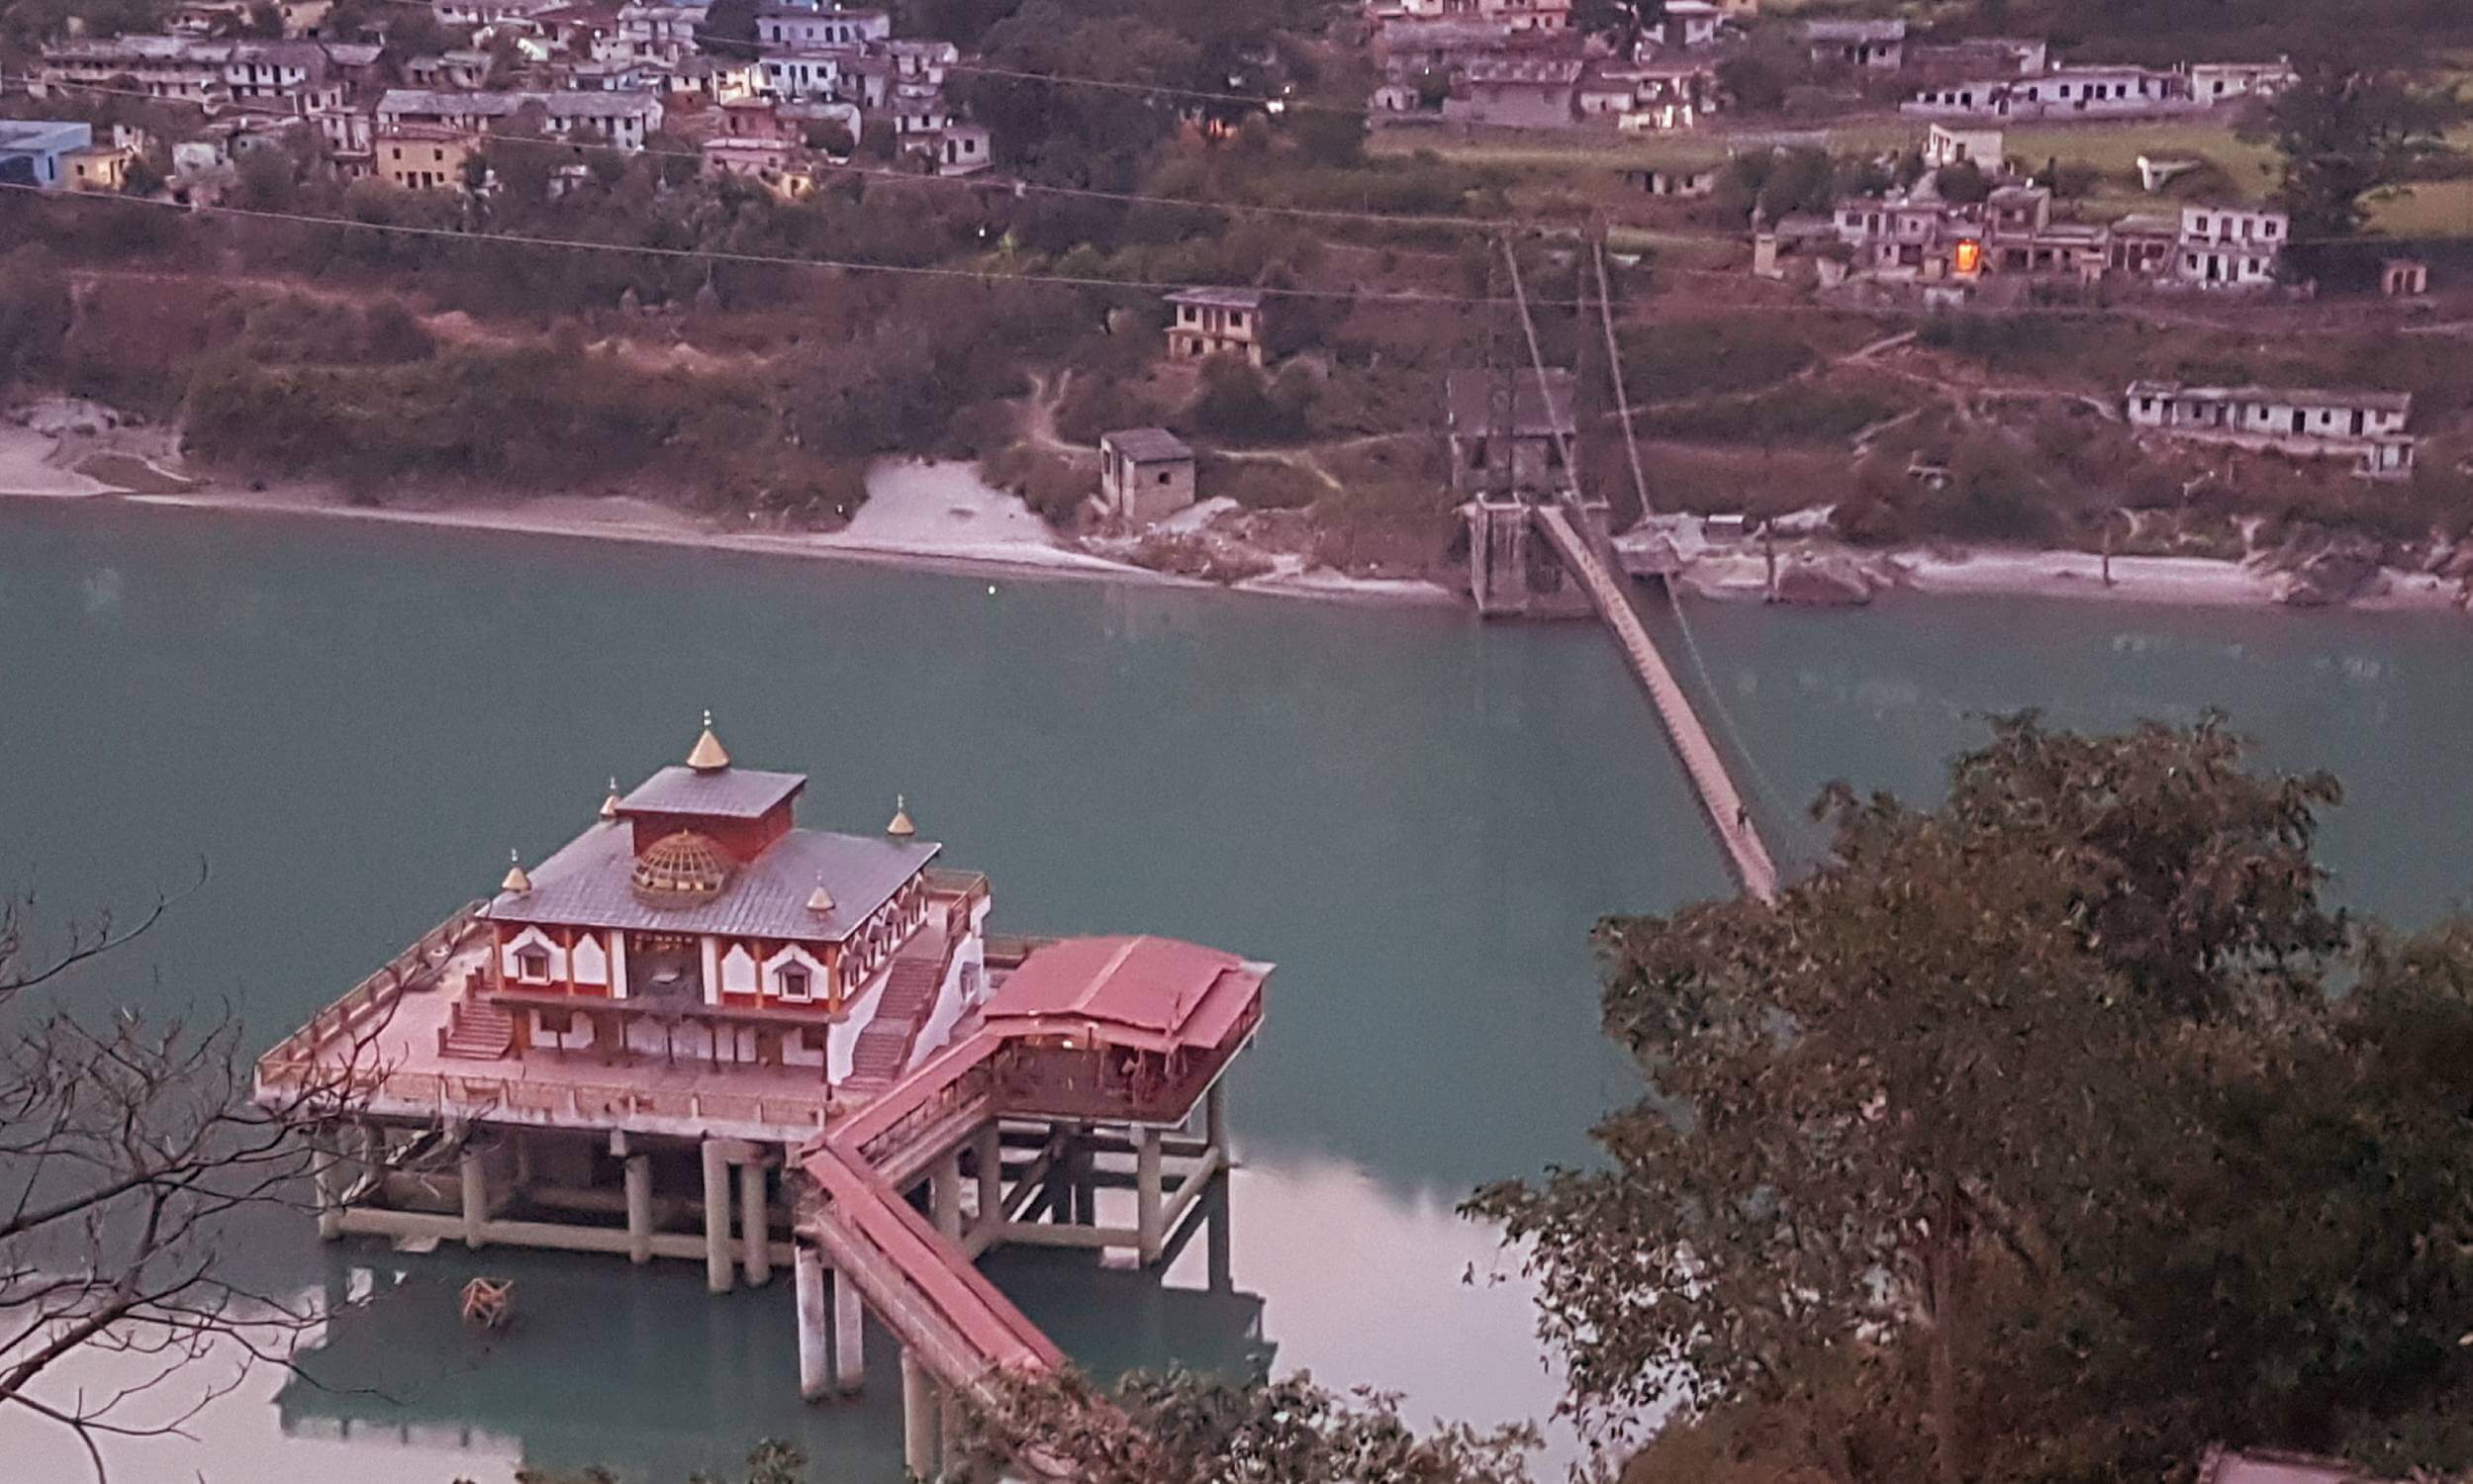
{"x":2033,"y":1137}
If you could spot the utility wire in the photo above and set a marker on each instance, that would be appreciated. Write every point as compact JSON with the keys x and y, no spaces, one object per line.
{"x":710,"y":254}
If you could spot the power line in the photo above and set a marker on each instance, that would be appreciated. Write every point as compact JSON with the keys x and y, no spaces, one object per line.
{"x":1409,"y":297}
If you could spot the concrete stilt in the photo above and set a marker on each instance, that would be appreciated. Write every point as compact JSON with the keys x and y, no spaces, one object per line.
{"x":989,"y":1147}
{"x":945,"y":1195}
{"x":717,"y":1171}
{"x":327,"y":1179}
{"x":1057,"y":1190}
{"x":639,"y":1208}
{"x":918,"y":1418}
{"x":1148,"y":1221}
{"x":472,"y":1174}
{"x":754,"y":1224}
{"x":1222,"y":1280}
{"x":1086,"y":1187}
{"x":849,"y":1357}
{"x":815,"y":1325}
{"x":1215,"y":1116}
{"x":949,"y":1432}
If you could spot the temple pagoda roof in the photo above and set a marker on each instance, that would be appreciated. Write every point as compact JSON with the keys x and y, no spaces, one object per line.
{"x":586,"y":883}
{"x":723,"y":792}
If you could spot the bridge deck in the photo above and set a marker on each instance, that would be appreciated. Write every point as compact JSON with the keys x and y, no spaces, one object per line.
{"x":1728,"y":818}
{"x":921,"y":1283}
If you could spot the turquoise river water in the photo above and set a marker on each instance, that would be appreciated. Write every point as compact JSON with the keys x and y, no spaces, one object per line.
{"x":1417,"y":816}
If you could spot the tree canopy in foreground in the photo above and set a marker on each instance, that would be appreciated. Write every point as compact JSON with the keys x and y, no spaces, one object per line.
{"x":2051,"y":1134}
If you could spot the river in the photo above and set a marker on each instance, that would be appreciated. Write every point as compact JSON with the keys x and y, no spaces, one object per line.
{"x":1417,"y":816}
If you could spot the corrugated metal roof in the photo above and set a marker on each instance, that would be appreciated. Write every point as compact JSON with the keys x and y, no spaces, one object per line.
{"x":725,"y":794}
{"x":1144,"y":984}
{"x":584,"y":884}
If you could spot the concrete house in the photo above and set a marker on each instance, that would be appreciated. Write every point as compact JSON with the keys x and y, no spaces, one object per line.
{"x":34,"y":152}
{"x":1946,"y":145}
{"x":1521,"y":91}
{"x":1146,"y":475}
{"x":423,"y":157}
{"x":1215,"y":322}
{"x":2367,"y":428}
{"x":2229,"y":247}
{"x":1872,"y":46}
{"x":625,"y":120}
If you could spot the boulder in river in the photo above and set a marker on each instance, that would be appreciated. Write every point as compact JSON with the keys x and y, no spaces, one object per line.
{"x":1823,"y":582}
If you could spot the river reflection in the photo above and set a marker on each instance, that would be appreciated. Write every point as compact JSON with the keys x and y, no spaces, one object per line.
{"x":1416,"y":816}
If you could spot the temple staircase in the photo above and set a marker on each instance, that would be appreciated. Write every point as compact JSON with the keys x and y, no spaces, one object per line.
{"x":884,"y":1047}
{"x":477,"y":1031}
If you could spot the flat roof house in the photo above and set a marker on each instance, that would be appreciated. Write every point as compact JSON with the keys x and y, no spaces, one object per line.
{"x":1146,"y":474}
{"x":34,"y":151}
{"x":2366,"y":427}
{"x":1215,"y":322}
{"x":1857,"y":43}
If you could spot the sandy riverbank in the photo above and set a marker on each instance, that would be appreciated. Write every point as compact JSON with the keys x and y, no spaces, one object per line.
{"x":936,"y":516}
{"x":941,"y":516}
{"x":1997,"y":572}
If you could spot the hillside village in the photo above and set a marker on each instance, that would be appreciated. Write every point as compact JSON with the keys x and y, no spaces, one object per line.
{"x":1878,"y":280}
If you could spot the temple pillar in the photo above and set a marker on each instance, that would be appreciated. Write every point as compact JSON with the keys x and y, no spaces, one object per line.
{"x":717,"y":1174}
{"x":1147,"y":1204}
{"x":815,"y":1325}
{"x":918,"y":1418}
{"x":849,"y":1319}
{"x":473,"y":1178}
{"x":755,"y":1225}
{"x":639,"y":1208}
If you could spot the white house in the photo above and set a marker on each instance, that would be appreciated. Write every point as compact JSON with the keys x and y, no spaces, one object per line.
{"x":1875,"y":46}
{"x":2225,"y":246}
{"x":800,"y":28}
{"x":2367,"y":428}
{"x":623,"y":120}
{"x":1945,"y":145}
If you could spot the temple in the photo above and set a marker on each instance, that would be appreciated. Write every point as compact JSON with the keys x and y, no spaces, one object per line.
{"x":700,"y":1030}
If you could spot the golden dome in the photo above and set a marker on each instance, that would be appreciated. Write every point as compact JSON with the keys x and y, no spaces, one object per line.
{"x":709,"y":756}
{"x":820,"y":901}
{"x":679,"y":870}
{"x":610,"y":805}
{"x":900,"y":825}
{"x":516,"y":880}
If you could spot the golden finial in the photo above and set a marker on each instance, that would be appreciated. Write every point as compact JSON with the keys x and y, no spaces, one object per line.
{"x":820,"y":901}
{"x":515,"y":881}
{"x":709,"y":756}
{"x":610,"y":805}
{"x":901,"y":827}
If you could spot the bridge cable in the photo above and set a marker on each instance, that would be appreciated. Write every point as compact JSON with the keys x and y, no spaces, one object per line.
{"x":1788,"y":816}
{"x":1728,"y":837}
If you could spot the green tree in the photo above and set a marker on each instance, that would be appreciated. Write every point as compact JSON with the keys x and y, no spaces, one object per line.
{"x":2348,"y":134}
{"x":1926,"y":1138}
{"x":1185,"y":1429}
